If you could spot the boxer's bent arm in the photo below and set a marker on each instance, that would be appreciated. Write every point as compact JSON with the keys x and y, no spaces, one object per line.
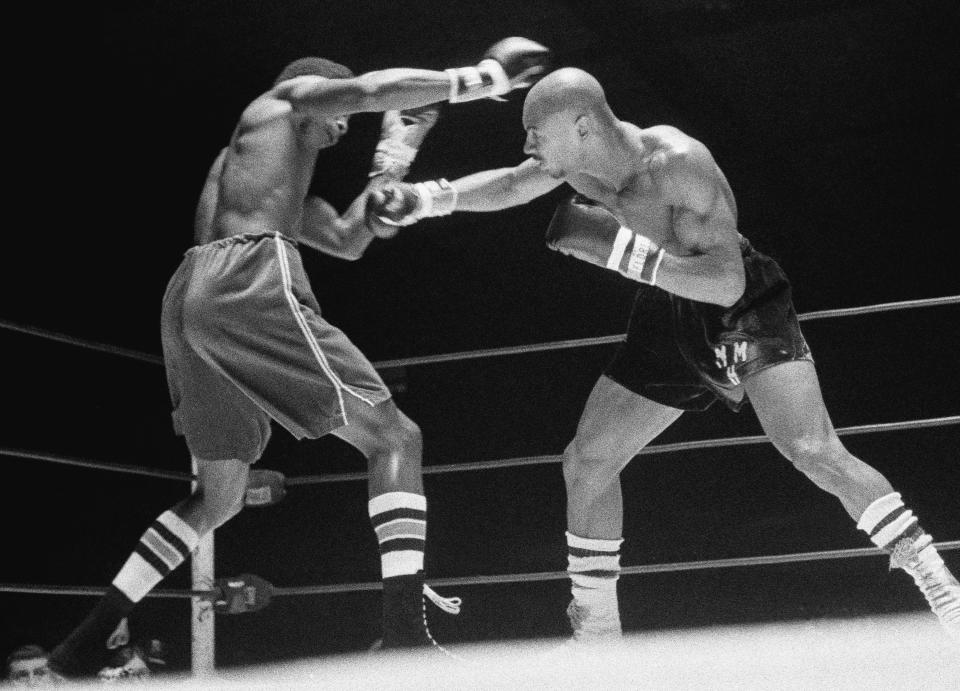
{"x":345,"y":237}
{"x":492,"y":190}
{"x":714,"y":276}
{"x":391,"y":89}
{"x":703,"y":222}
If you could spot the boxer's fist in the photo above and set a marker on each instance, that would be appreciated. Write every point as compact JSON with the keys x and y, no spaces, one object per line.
{"x":396,"y":204}
{"x":590,"y":233}
{"x":401,"y":204}
{"x":513,"y":63}
{"x":524,"y":61}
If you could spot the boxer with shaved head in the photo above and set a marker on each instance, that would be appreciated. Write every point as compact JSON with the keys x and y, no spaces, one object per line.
{"x":713,"y":319}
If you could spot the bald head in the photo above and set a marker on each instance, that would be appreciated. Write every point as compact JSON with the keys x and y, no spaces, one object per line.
{"x":565,"y":90}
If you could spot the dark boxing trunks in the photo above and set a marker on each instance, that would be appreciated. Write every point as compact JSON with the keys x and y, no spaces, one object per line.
{"x":687,"y":354}
{"x":244,"y":343}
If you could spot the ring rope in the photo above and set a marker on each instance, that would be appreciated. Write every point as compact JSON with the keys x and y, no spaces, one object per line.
{"x":490,"y":352}
{"x":649,"y":450}
{"x":167,"y":593}
{"x":90,"y":345}
{"x":482,"y":465}
{"x":97,"y":465}
{"x":672,"y":567}
{"x":618,"y":338}
{"x":476,"y":465}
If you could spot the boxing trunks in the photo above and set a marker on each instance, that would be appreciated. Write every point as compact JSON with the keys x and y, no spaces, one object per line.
{"x":244,"y":343}
{"x":687,"y":354}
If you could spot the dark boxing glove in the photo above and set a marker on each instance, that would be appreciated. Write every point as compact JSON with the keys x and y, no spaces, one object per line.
{"x":513,"y":63}
{"x":402,"y":203}
{"x":587,"y":231}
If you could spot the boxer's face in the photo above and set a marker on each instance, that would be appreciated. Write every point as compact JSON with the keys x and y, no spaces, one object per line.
{"x":552,"y":142}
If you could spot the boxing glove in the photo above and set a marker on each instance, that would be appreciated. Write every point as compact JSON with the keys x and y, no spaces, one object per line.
{"x":587,"y":231}
{"x":513,"y":63}
{"x":401,"y":203}
{"x":240,"y":594}
{"x":401,"y":133}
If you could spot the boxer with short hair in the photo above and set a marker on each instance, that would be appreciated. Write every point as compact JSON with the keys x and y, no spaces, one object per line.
{"x":243,"y":337}
{"x":713,"y":320}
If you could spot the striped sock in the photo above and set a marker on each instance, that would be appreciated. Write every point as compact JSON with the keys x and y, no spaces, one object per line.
{"x":162,"y":548}
{"x":887,"y":521}
{"x":593,"y":564}
{"x":400,"y":521}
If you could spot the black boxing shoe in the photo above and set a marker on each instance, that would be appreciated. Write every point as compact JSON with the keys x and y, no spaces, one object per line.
{"x":405,"y":613}
{"x":84,"y":652}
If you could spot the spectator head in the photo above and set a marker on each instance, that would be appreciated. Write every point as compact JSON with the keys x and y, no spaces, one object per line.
{"x":27,"y":666}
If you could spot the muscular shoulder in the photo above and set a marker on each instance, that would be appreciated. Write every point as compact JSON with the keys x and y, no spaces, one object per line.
{"x":684,"y":168}
{"x":264,"y":109}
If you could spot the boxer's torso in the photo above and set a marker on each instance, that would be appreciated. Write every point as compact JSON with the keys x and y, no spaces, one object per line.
{"x":646,"y":206}
{"x":266,"y":174}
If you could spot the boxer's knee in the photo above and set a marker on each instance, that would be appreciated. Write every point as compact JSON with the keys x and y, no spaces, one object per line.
{"x":589,"y":465}
{"x":821,"y":456}
{"x":220,"y":493}
{"x":400,"y":438}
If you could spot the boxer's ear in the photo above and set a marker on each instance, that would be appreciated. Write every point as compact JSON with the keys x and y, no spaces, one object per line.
{"x":583,"y":123}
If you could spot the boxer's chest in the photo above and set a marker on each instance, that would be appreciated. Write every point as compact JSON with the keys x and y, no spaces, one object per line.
{"x":640,"y":207}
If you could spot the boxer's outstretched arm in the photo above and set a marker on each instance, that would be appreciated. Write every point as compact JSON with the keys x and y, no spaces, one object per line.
{"x":401,"y":204}
{"x":512,"y":63}
{"x":390,"y":89}
{"x":492,"y":190}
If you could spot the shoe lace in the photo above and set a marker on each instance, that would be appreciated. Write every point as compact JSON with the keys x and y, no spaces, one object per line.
{"x":450,"y":605}
{"x":905,"y":555}
{"x":936,"y":586}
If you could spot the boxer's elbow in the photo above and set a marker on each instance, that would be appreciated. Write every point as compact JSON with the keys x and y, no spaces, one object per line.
{"x":731,"y":288}
{"x":368,"y":92}
{"x":351,"y":254}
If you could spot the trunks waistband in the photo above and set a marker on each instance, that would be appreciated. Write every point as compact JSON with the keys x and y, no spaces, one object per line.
{"x":242,"y":238}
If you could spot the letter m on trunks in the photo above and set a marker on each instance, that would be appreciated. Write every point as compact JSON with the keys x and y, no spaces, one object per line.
{"x":740,"y":351}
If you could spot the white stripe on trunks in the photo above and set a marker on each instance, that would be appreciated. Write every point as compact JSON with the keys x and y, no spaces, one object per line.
{"x":307,"y":333}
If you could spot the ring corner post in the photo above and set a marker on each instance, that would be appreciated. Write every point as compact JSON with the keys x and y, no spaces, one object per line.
{"x":202,"y":620}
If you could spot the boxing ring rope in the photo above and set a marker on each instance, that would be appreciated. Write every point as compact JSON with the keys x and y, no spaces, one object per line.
{"x":202,"y":566}
{"x":529,"y":577}
{"x":480,"y":465}
{"x":649,"y":450}
{"x":489,"y":352}
{"x":82,"y":343}
{"x":96,"y":465}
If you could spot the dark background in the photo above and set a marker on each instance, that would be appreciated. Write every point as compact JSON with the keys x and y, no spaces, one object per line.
{"x":836,"y":124}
